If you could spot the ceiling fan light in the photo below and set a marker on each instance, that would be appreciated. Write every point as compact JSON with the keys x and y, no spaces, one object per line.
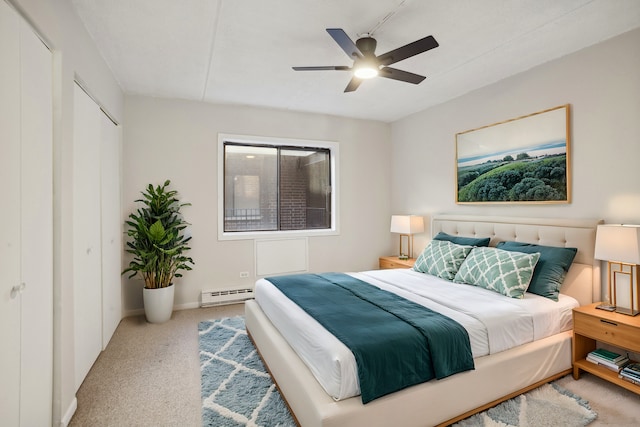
{"x":365,"y":72}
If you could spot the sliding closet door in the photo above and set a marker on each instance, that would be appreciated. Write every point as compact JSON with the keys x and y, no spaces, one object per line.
{"x":87,"y":277}
{"x":36,"y":230}
{"x":9,"y":216}
{"x":111,"y":229}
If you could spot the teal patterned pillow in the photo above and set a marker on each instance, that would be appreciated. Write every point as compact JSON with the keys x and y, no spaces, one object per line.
{"x":552,"y":267}
{"x":441,"y":258}
{"x":508,"y":273}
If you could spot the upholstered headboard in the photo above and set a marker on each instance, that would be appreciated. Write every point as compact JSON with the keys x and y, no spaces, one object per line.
{"x":582,"y":281}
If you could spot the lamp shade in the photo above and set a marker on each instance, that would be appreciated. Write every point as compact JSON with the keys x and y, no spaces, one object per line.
{"x":407,"y":224}
{"x":618,"y":243}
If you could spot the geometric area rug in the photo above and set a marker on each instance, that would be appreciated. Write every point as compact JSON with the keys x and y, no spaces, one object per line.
{"x":237,"y":390}
{"x":547,"y":405}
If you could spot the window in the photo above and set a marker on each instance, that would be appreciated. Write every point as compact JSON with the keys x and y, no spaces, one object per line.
{"x":276,"y":186}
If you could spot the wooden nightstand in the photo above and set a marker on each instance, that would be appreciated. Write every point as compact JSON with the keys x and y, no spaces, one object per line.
{"x":591,"y":325}
{"x":394,"y":262}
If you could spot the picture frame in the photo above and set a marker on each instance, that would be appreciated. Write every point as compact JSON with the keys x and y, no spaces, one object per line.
{"x":524,"y":160}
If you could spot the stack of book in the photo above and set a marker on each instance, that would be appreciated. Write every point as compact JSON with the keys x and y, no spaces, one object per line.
{"x":608,"y":359}
{"x":631,"y":373}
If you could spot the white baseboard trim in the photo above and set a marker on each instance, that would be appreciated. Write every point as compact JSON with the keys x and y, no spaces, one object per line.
{"x":66,"y":419}
{"x":186,"y":306}
{"x":140,"y":311}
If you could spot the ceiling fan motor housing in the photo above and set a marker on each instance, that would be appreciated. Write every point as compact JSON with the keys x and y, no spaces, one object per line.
{"x":367,"y":45}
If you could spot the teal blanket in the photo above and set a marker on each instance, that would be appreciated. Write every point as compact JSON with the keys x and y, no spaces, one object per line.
{"x":396,"y":342}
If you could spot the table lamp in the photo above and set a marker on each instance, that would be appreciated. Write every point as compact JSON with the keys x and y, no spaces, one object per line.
{"x":619,"y":245}
{"x":407,"y":226}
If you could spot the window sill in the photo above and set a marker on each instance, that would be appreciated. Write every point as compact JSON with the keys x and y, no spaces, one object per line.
{"x":254,"y":235}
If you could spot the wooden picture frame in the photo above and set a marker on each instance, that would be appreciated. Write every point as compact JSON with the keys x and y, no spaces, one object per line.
{"x":522,"y":160}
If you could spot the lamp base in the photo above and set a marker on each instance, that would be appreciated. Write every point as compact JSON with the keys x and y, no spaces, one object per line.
{"x":627,"y":311}
{"x":403,"y":257}
{"x":606,"y":307}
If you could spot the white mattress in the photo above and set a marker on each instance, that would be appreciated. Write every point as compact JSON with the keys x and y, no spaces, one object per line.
{"x":494,"y":322}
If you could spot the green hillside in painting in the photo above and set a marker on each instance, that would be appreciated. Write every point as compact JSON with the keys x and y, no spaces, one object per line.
{"x":523,"y":179}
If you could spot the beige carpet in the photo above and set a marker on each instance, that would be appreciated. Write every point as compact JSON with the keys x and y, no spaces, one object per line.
{"x":149,"y":375}
{"x":614,"y":405}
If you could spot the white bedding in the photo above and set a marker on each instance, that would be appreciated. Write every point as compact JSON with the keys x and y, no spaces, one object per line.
{"x":494,"y":322}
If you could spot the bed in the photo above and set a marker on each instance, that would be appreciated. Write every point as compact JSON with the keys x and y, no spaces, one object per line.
{"x":440,"y":402}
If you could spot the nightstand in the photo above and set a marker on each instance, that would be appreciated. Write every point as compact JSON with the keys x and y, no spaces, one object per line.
{"x":394,"y":262}
{"x":591,"y":325}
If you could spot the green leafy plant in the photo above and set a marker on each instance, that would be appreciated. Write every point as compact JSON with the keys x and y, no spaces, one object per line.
{"x":157,"y":241}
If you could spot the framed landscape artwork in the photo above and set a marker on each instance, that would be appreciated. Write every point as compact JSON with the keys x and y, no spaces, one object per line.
{"x":522,"y":160}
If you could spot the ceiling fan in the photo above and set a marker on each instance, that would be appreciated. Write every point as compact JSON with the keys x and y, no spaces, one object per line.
{"x":367,"y":65}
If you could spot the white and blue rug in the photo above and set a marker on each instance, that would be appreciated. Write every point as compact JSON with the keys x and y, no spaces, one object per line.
{"x":546,"y":406}
{"x":238,"y":391}
{"x":236,"y":388}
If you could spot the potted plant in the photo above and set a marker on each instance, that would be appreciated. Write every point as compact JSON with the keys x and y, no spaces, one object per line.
{"x":159,"y":246}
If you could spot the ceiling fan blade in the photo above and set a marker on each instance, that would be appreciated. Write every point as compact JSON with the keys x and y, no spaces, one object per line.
{"x":322,"y":68}
{"x":408,"y":51}
{"x":404,"y":76}
{"x":353,"y":84}
{"x":345,"y":42}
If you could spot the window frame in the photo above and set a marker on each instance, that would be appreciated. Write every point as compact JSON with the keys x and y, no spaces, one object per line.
{"x":302,"y":143}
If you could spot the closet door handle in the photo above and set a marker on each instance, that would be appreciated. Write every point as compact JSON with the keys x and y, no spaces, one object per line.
{"x":17,"y":290}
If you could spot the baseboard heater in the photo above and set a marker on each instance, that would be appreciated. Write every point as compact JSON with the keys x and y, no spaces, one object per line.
{"x":226,"y":296}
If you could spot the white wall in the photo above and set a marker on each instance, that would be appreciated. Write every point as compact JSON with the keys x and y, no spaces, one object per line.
{"x":602,"y":84}
{"x":74,"y":55}
{"x":177,"y":140}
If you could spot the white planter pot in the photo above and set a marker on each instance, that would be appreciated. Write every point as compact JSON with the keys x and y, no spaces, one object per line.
{"x":158,"y":304}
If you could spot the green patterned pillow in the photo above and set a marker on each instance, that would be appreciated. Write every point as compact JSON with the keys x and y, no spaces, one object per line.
{"x":441,"y":258}
{"x":551,"y":269}
{"x":508,"y":273}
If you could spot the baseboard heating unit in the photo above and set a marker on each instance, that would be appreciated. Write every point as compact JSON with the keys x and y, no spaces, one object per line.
{"x":225,"y":296}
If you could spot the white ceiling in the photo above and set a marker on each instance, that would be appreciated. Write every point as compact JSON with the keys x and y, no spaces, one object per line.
{"x":242,"y":51}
